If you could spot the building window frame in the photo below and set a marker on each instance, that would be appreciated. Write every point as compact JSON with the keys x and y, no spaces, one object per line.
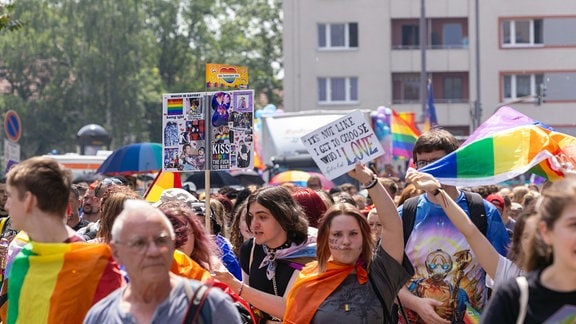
{"x":347,"y":37}
{"x":337,"y":90}
{"x":511,"y":29}
{"x":514,"y":84}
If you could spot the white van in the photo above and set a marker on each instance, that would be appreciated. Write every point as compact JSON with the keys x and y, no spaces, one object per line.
{"x":81,"y":164}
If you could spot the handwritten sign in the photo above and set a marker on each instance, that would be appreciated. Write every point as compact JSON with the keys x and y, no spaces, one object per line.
{"x":337,"y":147}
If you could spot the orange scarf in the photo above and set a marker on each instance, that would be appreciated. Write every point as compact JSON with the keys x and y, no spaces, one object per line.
{"x":312,"y":288}
{"x":183,"y":266}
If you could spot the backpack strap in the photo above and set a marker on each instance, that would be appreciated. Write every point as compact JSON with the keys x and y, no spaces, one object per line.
{"x":197,"y":301}
{"x":523,"y":285}
{"x":477,"y":211}
{"x":409,"y":216}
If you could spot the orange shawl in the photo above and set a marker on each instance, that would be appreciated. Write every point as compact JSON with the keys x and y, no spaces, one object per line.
{"x":183,"y":266}
{"x":312,"y":288}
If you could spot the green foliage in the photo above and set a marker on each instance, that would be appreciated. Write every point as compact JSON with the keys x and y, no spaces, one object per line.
{"x":108,"y":62}
{"x":7,"y":22}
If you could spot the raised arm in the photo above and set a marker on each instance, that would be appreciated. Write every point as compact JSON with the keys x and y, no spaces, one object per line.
{"x":392,"y":237}
{"x":484,"y":251}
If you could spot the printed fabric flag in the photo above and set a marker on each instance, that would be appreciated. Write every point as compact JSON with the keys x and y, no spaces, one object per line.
{"x":59,"y":282}
{"x":164,"y":180}
{"x":404,"y":135}
{"x":430,"y":120}
{"x":506,"y":154}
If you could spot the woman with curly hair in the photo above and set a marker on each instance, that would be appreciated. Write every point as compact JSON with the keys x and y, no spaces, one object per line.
{"x":272,"y":260}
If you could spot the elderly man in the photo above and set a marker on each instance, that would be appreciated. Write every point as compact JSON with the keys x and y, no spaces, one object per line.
{"x":143,"y":241}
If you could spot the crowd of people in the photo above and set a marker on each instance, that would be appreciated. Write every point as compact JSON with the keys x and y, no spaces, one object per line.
{"x":398,"y":249}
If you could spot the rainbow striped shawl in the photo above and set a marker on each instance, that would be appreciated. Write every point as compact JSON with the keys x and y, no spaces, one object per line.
{"x":59,"y":282}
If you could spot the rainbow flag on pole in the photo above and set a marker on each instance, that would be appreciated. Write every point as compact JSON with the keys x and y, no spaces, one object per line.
{"x":404,"y":135}
{"x":59,"y":282}
{"x":175,"y":106}
{"x":508,"y":145}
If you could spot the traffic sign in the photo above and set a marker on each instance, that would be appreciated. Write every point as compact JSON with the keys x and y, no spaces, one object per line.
{"x":12,"y":126}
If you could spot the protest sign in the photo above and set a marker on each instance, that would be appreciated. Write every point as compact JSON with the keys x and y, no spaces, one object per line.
{"x":337,"y":146}
{"x":208,"y":131}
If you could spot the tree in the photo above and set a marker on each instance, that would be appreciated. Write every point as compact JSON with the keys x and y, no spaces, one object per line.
{"x":6,"y":20}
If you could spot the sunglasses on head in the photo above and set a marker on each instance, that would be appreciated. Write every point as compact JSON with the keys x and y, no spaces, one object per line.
{"x":105,"y":184}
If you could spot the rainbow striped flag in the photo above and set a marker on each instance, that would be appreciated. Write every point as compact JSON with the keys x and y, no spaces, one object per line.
{"x":59,"y":282}
{"x":404,"y":135}
{"x":175,"y":106}
{"x":513,"y":146}
{"x":164,"y":180}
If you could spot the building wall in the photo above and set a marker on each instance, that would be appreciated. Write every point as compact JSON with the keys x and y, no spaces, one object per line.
{"x":375,"y":60}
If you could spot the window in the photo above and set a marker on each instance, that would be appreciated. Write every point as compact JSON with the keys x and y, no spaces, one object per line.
{"x":406,"y":87}
{"x":518,"y":86}
{"x":449,"y":87}
{"x":338,"y":36}
{"x":453,"y":88}
{"x":522,"y":32}
{"x":442,"y":33}
{"x":554,"y":86}
{"x":410,"y":36}
{"x":337,"y":90}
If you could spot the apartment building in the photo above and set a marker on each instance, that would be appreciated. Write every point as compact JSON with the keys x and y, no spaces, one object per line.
{"x":347,"y":54}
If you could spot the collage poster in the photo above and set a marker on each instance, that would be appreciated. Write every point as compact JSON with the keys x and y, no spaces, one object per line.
{"x":208,"y":131}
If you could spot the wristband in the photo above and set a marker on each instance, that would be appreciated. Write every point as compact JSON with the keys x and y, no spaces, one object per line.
{"x":372,"y":183}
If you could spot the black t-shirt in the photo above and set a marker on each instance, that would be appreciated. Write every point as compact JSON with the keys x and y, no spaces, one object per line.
{"x":543,"y":303}
{"x":258,"y":279}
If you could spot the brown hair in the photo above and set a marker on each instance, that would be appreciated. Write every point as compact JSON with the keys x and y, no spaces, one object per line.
{"x":322,"y":247}
{"x":112,"y":204}
{"x":436,"y":139}
{"x":517,"y":252}
{"x":550,"y":207}
{"x":284,"y":209}
{"x":44,"y":178}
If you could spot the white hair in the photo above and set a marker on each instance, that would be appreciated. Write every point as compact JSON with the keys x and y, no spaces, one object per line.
{"x":136,"y":207}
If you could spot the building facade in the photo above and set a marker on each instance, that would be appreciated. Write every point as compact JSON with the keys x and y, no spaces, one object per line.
{"x":348,"y":54}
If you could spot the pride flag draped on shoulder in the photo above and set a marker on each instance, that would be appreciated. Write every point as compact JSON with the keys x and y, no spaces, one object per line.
{"x":59,"y":282}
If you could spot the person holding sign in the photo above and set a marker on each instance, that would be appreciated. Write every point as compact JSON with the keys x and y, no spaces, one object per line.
{"x":349,"y":268}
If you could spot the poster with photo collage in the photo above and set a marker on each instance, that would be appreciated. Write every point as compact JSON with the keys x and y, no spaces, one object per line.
{"x":208,"y":131}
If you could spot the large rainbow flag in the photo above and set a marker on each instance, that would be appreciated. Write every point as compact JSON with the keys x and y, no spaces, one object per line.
{"x":59,"y":282}
{"x":507,"y":145}
{"x":404,"y":135}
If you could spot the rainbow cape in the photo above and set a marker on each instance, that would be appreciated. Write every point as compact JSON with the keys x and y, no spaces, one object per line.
{"x":404,"y":135}
{"x":59,"y":282}
{"x":164,"y":180}
{"x":509,"y":145}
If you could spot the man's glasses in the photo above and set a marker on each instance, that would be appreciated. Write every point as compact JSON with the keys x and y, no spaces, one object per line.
{"x":141,"y":245}
{"x":422,"y":163}
{"x":104,"y":184}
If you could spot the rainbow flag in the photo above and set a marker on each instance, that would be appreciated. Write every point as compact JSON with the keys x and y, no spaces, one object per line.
{"x":175,"y":106}
{"x":404,"y":135}
{"x":164,"y":180}
{"x":59,"y":282}
{"x":501,"y":153}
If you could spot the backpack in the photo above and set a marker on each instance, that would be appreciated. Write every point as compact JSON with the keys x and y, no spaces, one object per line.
{"x":199,"y":297}
{"x":475,"y":207}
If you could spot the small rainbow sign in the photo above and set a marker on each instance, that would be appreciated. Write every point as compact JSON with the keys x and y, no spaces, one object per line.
{"x":175,"y":107}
